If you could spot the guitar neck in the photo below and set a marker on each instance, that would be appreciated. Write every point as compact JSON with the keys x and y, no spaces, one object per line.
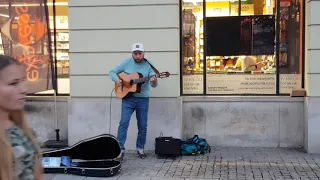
{"x":144,"y":79}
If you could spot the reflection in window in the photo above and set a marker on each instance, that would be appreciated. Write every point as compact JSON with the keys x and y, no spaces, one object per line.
{"x":192,"y":47}
{"x":241,"y":58}
{"x":290,"y":46}
{"x":241,"y":47}
{"x":62,"y":39}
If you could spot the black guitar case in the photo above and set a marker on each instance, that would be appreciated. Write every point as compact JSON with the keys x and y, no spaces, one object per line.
{"x":95,"y":157}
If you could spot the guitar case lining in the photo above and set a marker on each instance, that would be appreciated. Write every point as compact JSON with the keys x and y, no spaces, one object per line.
{"x":96,"y":157}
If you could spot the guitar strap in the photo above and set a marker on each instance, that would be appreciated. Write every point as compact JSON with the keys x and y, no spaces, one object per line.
{"x":154,"y":69}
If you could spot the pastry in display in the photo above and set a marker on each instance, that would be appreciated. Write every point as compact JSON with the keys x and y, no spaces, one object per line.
{"x":229,"y":63}
{"x":268,"y":66}
{"x":212,"y":63}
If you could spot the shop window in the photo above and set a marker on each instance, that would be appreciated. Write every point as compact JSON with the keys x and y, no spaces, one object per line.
{"x":238,"y":55}
{"x":62,"y":45}
{"x":61,"y":33}
{"x":192,"y":47}
{"x":4,"y":12}
{"x":290,"y":46}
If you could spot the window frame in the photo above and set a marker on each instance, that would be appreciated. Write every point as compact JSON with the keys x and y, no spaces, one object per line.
{"x":277,"y":16}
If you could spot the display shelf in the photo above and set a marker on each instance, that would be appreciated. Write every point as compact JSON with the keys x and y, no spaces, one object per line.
{"x":62,"y":43}
{"x":1,"y":46}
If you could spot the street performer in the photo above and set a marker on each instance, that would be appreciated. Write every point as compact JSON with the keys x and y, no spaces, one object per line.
{"x":138,"y":102}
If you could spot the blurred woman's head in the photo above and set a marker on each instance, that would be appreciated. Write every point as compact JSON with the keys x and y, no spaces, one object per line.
{"x":12,"y":84}
{"x":12,"y":93}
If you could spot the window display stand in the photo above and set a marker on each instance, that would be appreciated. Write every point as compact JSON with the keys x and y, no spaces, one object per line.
{"x":57,"y":143}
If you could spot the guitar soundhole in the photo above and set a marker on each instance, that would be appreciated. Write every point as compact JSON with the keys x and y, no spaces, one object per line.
{"x":131,"y":82}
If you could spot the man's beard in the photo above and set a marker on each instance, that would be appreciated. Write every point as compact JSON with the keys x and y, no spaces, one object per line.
{"x":138,"y":61}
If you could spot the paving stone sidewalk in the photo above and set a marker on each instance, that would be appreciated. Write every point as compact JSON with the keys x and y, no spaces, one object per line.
{"x":222,"y":163}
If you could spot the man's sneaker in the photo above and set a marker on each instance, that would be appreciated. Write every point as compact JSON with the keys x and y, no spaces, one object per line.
{"x":141,"y":154}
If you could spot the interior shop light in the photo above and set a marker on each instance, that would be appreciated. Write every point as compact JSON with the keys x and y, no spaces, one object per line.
{"x":4,"y":15}
{"x":26,"y":4}
{"x":7,"y":16}
{"x":194,"y":2}
{"x":268,"y":3}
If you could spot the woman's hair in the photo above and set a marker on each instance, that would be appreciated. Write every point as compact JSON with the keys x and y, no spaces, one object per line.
{"x":7,"y":171}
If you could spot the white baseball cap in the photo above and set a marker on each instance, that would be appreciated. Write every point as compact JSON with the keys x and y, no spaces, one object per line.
{"x":137,"y":47}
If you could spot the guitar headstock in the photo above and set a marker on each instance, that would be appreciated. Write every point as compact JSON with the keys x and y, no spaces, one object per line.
{"x":163,"y":75}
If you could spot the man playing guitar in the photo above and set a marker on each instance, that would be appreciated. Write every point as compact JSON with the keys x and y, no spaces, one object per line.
{"x":138,"y":102}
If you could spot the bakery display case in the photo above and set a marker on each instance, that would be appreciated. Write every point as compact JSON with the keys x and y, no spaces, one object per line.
{"x":233,"y":64}
{"x":265,"y":64}
{"x":193,"y":46}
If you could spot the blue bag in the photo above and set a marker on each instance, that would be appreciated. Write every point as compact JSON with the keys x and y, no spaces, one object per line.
{"x":195,"y":146}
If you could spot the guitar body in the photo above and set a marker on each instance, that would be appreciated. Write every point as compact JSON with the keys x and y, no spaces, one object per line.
{"x":131,"y":83}
{"x":127,"y":88}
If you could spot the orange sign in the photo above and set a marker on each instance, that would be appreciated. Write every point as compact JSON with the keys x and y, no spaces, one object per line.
{"x":29,"y":34}
{"x":26,"y":38}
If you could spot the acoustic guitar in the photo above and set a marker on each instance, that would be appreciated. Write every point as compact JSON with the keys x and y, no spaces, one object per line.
{"x":131,"y":83}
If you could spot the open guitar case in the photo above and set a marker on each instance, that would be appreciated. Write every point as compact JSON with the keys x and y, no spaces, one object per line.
{"x":93,"y":157}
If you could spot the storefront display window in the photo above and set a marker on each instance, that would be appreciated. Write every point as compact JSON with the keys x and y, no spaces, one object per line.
{"x":61,"y":33}
{"x":193,"y":48}
{"x":291,"y":51}
{"x":240,"y":49}
{"x":4,"y":11}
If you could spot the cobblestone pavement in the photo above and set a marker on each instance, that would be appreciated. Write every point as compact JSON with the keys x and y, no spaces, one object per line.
{"x":222,"y":163}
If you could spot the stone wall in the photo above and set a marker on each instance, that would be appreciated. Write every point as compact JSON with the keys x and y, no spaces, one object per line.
{"x":91,"y":117}
{"x":223,"y":121}
{"x":312,"y":75}
{"x":245,"y":121}
{"x":40,"y":115}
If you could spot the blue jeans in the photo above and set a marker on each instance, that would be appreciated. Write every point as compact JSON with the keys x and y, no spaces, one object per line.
{"x":141,"y":106}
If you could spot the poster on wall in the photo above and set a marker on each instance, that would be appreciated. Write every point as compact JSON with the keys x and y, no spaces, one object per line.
{"x":240,"y":35}
{"x":251,"y":83}
{"x":224,"y":36}
{"x":192,"y":84}
{"x":241,"y":84}
{"x":263,"y":36}
{"x":26,"y":37}
{"x":288,"y":82}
